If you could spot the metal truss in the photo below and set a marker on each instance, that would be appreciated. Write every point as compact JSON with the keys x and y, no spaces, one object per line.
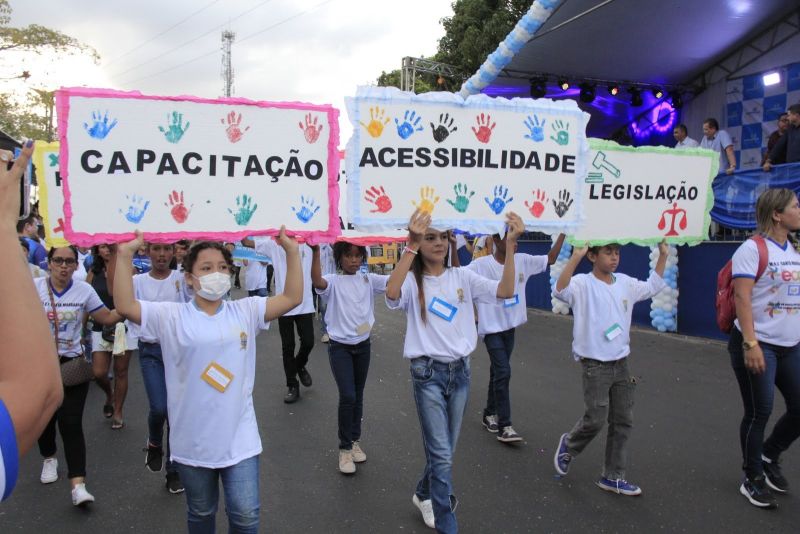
{"x":413,"y":65}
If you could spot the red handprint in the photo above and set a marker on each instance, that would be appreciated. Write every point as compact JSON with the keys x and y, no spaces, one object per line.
{"x":537,"y":206}
{"x":311,"y":130}
{"x":179,"y":211}
{"x":378,"y":197}
{"x":60,"y":227}
{"x":484,"y":131}
{"x":234,"y":129}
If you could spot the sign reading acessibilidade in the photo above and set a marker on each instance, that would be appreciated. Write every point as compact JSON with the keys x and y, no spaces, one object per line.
{"x":467,"y":162}
{"x":646,"y":194}
{"x":191,"y":168}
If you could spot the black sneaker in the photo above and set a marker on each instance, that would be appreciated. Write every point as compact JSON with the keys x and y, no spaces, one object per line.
{"x":154,"y":460}
{"x":174,"y":484}
{"x":772,"y":472}
{"x":757,"y":492}
{"x":292,"y":395}
{"x":305,"y":377}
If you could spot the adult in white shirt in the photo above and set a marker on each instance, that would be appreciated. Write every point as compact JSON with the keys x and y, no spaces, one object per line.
{"x":440,"y":336}
{"x":681,"y":135}
{"x":497,"y":323}
{"x":720,"y":142}
{"x":67,"y":303}
{"x":209,"y":362}
{"x":349,"y":304}
{"x":765,"y":343}
{"x":255,"y":278}
{"x":602,"y":305}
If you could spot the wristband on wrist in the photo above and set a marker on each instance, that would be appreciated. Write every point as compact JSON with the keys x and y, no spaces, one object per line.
{"x":411,"y":250}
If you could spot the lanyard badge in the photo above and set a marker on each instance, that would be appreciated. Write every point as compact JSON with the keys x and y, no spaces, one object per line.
{"x":442,"y":309}
{"x":513,"y":301}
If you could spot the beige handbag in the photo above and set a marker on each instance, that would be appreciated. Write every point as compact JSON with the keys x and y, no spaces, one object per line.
{"x":74,"y":371}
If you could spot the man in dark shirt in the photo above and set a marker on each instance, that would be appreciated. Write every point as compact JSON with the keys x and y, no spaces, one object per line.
{"x":787,"y":150}
{"x":783,"y":125}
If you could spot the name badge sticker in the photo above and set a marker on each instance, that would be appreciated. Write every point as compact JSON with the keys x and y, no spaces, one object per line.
{"x":513,"y":301}
{"x":217,"y":377}
{"x":362,"y":329}
{"x":442,"y":309}
{"x":613,"y":331}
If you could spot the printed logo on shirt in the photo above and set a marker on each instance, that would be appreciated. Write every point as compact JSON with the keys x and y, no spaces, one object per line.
{"x":177,"y":287}
{"x":242,"y":340}
{"x":625,"y":304}
{"x":794,"y":290}
{"x":521,"y":278}
{"x":460,"y":293}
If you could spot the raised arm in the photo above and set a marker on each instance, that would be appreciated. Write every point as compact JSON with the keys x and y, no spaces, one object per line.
{"x":555,"y":250}
{"x":124,"y":300}
{"x":663,"y":253}
{"x":316,"y":269}
{"x":417,"y":226}
{"x":569,"y":268}
{"x":292,"y":294}
{"x":515,"y":228}
{"x":456,"y":261}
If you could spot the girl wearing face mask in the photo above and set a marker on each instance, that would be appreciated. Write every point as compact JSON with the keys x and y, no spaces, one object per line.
{"x":209,"y":351}
{"x":73,"y":301}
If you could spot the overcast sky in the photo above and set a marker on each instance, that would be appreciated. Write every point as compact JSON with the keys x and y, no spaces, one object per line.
{"x":316,"y":51}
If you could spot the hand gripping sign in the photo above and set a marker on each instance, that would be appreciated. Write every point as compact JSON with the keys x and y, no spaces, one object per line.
{"x":191,"y":168}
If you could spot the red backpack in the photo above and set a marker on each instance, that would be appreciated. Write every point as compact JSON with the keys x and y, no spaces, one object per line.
{"x":726,"y":305}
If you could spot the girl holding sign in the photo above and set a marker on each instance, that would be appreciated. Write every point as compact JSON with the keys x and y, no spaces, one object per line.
{"x":209,"y":363}
{"x":349,"y":317}
{"x":440,"y":335}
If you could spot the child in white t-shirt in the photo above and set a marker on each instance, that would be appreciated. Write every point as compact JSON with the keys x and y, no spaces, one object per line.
{"x":349,"y":315}
{"x":602,"y":304}
{"x":209,"y":362}
{"x":440,"y":335}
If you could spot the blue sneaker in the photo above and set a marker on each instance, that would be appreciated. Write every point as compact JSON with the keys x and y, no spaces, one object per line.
{"x":562,"y":457}
{"x":619,"y":486}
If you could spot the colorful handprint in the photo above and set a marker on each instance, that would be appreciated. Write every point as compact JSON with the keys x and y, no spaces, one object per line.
{"x":535,"y":128}
{"x":379,"y":198}
{"x":500,"y":200}
{"x":178,"y":208}
{"x":377,"y":122}
{"x":485,"y":126}
{"x":308,"y":208}
{"x":174,"y":132}
{"x":538,"y":204}
{"x":562,"y":132}
{"x":444,"y":129}
{"x":463,"y":196}
{"x":244,"y":210}
{"x":100,"y":127}
{"x":136,"y":209}
{"x":234,"y":129}
{"x":311,"y":130}
{"x":564,"y":203}
{"x":427,"y":200}
{"x":410,"y":124}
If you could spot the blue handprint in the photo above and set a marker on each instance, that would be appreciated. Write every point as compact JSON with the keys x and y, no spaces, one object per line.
{"x":176,"y":129}
{"x":411,"y":124}
{"x":136,"y":209}
{"x":498,"y":204}
{"x":307,"y":209}
{"x":244,"y":210}
{"x":536,"y":128}
{"x":100,"y":126}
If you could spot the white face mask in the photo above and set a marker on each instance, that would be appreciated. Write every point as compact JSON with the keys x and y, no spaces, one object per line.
{"x":213,"y":286}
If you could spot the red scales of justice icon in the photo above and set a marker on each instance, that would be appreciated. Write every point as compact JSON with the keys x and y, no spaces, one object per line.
{"x":678,"y":214}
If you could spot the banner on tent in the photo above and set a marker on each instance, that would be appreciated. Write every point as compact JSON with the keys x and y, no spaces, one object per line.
{"x":643,"y":195}
{"x":467,"y":162}
{"x":189,"y":168}
{"x":51,"y":195}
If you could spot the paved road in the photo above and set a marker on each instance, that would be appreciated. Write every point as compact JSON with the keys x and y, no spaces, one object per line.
{"x":685,"y":452}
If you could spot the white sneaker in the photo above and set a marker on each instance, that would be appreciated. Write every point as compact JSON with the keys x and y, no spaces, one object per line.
{"x":346,"y":464}
{"x":80,"y":496}
{"x":49,"y":471}
{"x":426,"y":507}
{"x":358,"y":454}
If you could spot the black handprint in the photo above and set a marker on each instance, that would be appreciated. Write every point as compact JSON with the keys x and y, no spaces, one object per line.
{"x":564,"y":203}
{"x":445,"y":128}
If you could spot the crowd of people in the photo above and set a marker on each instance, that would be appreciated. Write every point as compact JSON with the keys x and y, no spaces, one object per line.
{"x":197,"y":349}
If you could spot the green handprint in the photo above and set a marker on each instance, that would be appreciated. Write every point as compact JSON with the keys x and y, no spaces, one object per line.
{"x":244,"y":210}
{"x":176,"y":129}
{"x":562,"y":132}
{"x":461,"y":202}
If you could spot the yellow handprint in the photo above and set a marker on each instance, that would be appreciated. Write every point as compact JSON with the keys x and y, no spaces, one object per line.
{"x":427,"y":202}
{"x":376,"y":123}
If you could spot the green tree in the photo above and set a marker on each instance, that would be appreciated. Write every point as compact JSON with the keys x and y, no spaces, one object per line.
{"x":424,"y":83}
{"x":36,"y":38}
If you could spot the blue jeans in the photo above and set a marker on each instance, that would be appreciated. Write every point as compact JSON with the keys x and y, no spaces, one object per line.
{"x":758,"y":395}
{"x":240,"y":484}
{"x":440,"y":393}
{"x":350,"y":365}
{"x":155,"y":384}
{"x":260,"y":292}
{"x":498,"y":401}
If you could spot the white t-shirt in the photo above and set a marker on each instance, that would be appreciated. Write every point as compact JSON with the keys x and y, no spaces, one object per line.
{"x":209,"y":428}
{"x":255,"y":275}
{"x":603,"y":311}
{"x":509,"y":313}
{"x":271,"y":249}
{"x":171,"y":289}
{"x":351,"y":306}
{"x":776,"y":295}
{"x":77,"y":300}
{"x":451,"y":294}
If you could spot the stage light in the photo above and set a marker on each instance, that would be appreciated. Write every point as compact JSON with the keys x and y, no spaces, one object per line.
{"x":677,"y":99}
{"x":636,"y":96}
{"x":657,"y":92}
{"x":613,"y":89}
{"x":563,"y":83}
{"x":771,"y":78}
{"x":538,"y":87}
{"x":587,"y":92}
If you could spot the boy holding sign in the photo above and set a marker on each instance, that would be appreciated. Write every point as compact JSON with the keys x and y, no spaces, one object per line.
{"x":602,"y":303}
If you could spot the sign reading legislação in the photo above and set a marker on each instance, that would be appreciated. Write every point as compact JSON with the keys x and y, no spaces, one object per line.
{"x":643,"y":195}
{"x":51,"y":195}
{"x":467,"y":162}
{"x":185,"y":167}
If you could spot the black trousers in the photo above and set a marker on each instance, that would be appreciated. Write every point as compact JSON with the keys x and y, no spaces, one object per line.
{"x":69,"y":417}
{"x":305,"y":329}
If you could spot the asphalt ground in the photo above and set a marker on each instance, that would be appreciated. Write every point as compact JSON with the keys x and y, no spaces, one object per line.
{"x":684,"y":451}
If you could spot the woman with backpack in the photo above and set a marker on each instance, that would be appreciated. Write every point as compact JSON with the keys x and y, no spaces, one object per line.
{"x":765,"y":342}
